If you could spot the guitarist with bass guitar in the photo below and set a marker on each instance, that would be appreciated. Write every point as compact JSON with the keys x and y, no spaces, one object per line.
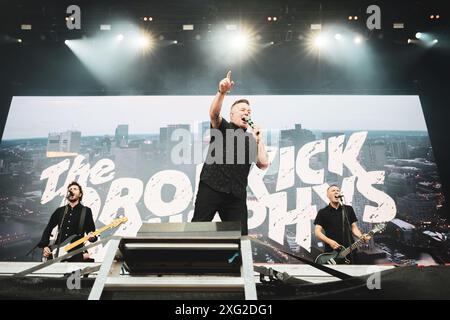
{"x":335,"y":226}
{"x":73,"y":219}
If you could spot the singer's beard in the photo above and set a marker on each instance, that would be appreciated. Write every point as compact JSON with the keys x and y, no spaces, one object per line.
{"x":72,"y":199}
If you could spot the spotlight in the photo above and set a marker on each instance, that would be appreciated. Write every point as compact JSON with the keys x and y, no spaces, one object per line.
{"x":357,"y":40}
{"x":418,"y":35}
{"x":144,"y":42}
{"x":269,"y":18}
{"x":319,"y":41}
{"x":120,"y":37}
{"x":175,"y":42}
{"x":19,"y":40}
{"x":350,"y":18}
{"x":66,"y":42}
{"x":338,"y":36}
{"x":437,"y":16}
{"x":435,"y":41}
{"x":355,"y":18}
{"x":145,"y":18}
{"x":432,"y":17}
{"x":275,"y":18}
{"x":409,"y":40}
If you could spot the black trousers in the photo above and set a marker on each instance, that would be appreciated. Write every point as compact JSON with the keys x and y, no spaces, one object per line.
{"x":229,"y":207}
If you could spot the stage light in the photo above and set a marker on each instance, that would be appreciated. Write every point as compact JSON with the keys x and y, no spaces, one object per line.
{"x":188,"y":27}
{"x":66,"y":42}
{"x":319,"y":41}
{"x":241,"y":40}
{"x":25,"y":27}
{"x":432,"y":17}
{"x":269,"y":18}
{"x":338,"y":36}
{"x":409,"y":40}
{"x":357,"y":40}
{"x":437,"y":16}
{"x":316,"y":26}
{"x":175,"y":42}
{"x":398,"y":25}
{"x":19,"y":40}
{"x":120,"y":37}
{"x":231,"y":27}
{"x":275,"y":18}
{"x":418,"y":35}
{"x":145,"y":18}
{"x":350,"y":18}
{"x":105,"y":27}
{"x":435,"y":41}
{"x":355,"y":18}
{"x":144,"y":41}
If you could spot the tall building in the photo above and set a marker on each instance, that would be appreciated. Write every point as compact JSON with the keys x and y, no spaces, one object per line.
{"x":398,"y":149}
{"x":296,"y":137}
{"x":121,"y":135}
{"x":374,"y":155}
{"x":60,"y":144}
{"x":165,"y":133}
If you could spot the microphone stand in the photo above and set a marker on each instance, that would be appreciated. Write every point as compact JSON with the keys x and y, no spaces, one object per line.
{"x":58,"y":238}
{"x":345,"y":219}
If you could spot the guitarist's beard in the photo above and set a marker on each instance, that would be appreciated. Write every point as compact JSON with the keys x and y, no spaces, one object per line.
{"x":73,"y":200}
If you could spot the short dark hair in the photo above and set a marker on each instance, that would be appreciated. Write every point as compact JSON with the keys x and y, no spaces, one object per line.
{"x":240,"y":101}
{"x":74,"y":183}
{"x":333,"y":185}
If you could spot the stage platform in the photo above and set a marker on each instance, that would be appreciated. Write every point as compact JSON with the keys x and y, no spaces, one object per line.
{"x":299,"y":271}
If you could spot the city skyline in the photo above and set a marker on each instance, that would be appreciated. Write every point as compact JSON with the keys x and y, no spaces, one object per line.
{"x":330,"y":113}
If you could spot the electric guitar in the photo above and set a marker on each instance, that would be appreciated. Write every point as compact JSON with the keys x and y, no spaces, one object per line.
{"x":340,"y":257}
{"x":66,"y":245}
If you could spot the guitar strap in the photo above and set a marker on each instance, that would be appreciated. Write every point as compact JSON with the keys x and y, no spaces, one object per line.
{"x":82,"y":218}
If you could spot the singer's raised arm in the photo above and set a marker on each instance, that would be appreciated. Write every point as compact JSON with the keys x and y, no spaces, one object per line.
{"x":225,"y":85}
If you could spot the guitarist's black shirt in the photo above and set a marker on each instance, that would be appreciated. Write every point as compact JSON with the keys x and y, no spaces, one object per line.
{"x":331,"y":221}
{"x":70,"y":225}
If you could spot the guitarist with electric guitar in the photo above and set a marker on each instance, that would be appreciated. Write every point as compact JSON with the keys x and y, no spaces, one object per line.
{"x":74,"y":221}
{"x":334,"y":226}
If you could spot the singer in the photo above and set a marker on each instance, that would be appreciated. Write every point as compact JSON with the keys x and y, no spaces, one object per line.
{"x":71,"y":219}
{"x":335,"y":226}
{"x":222,"y":186}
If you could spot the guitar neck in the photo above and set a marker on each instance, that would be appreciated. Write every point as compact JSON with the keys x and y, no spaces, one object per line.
{"x":355,"y":245}
{"x":83,"y":240}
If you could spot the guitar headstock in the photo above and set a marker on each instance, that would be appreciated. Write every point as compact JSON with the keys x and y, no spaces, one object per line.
{"x":379,"y":227}
{"x":118,"y":221}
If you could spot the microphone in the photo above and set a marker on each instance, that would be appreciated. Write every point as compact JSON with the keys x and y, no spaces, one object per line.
{"x":340,"y":196}
{"x":249,"y":121}
{"x":69,"y":194}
